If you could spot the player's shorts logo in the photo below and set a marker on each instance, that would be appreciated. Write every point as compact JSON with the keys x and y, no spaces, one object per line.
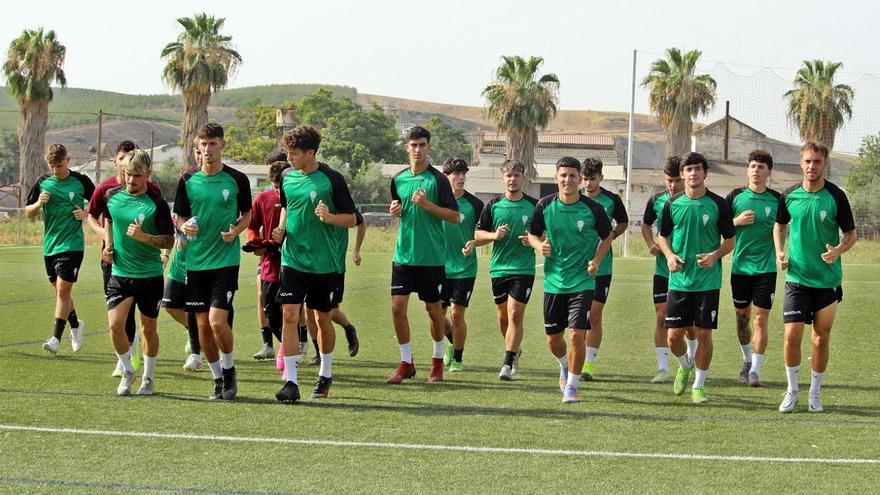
{"x":772,"y":296}
{"x":468,"y":295}
{"x":528,"y":292}
{"x":228,"y":296}
{"x":606,"y":291}
{"x":440,"y":288}
{"x":714,"y":314}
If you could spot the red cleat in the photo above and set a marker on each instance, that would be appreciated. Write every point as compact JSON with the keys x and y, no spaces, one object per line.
{"x":436,"y":370}
{"x":403,"y":371}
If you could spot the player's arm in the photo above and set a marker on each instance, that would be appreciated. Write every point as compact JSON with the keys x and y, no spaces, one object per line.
{"x":446,"y":208}
{"x":244,"y":200}
{"x":359,"y":241}
{"x":647,"y":228}
{"x":35,"y":201}
{"x":538,"y":232}
{"x":620,"y":216}
{"x":847,"y":225}
{"x":673,"y":261}
{"x":727,"y":231}
{"x":162,"y":241}
{"x":235,"y":230}
{"x":344,"y":220}
{"x":780,"y":236}
{"x":606,"y":234}
{"x":833,"y":252}
{"x":280,"y":231}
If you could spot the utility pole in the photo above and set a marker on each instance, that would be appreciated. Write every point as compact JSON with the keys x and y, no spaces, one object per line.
{"x":98,"y":147}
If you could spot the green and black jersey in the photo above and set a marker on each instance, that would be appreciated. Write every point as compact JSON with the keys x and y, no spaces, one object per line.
{"x":815,"y":219}
{"x":509,"y":256}
{"x":313,"y":246}
{"x":653,"y":212}
{"x":217,"y":201}
{"x":458,"y":234}
{"x":132,"y":258}
{"x":615,"y":210}
{"x":343,"y":239}
{"x":177,"y":266}
{"x":574,"y":231}
{"x":754,"y":253}
{"x":62,"y":232}
{"x":692,"y":227}
{"x":420,"y":240}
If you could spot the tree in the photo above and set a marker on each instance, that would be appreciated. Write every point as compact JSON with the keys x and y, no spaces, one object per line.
{"x":199,"y":62}
{"x":34,"y":61}
{"x":863,"y":187}
{"x":817,"y":106}
{"x":678,"y":96}
{"x":166,"y":178}
{"x":359,"y":136}
{"x":520,"y":102}
{"x":863,"y":173}
{"x":9,"y":158}
{"x":447,"y":142}
{"x":253,"y":135}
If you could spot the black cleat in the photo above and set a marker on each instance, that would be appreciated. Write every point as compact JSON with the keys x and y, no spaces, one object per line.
{"x":322,"y":387}
{"x":354,"y":344}
{"x":218,"y":390}
{"x":230,"y":384}
{"x":288,"y":393}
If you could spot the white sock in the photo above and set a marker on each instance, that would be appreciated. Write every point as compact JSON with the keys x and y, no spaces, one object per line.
{"x":326,"y":365}
{"x":125,"y":359}
{"x":573,"y":380}
{"x":816,"y":380}
{"x":226,"y":360}
{"x":685,"y":361}
{"x":791,"y":373}
{"x":662,"y":358}
{"x":563,"y":362}
{"x":592,"y":354}
{"x":216,"y":372}
{"x":700,"y":380}
{"x":406,"y":353}
{"x":692,"y":347}
{"x":291,"y":363}
{"x":747,"y":352}
{"x":439,"y":349}
{"x":149,"y":366}
{"x":757,"y":360}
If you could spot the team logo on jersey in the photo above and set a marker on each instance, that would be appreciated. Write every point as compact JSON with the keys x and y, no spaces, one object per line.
{"x":226,"y":195}
{"x":580,"y":225}
{"x":822,"y":215}
{"x":141,"y":218}
{"x":228,"y":296}
{"x":705,"y":218}
{"x":71,"y":195}
{"x":525,"y":219}
{"x":767,"y":211}
{"x":461,"y":217}
{"x":313,"y":195}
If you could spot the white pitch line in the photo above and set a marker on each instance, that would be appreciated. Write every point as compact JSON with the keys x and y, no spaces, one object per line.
{"x":447,"y":448}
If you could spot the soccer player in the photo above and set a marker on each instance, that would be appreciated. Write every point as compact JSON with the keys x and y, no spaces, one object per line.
{"x":591,"y":180}
{"x":573,"y":234}
{"x":337,"y":315}
{"x":674,"y":185}
{"x":213,"y":207}
{"x":316,"y":202}
{"x":461,"y":262}
{"x":60,"y":196}
{"x":422,"y":198}
{"x":138,"y":225}
{"x":690,"y":227}
{"x":812,"y":213}
{"x":505,"y":222}
{"x":753,"y":270}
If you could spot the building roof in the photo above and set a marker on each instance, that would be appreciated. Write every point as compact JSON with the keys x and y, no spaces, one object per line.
{"x":719,"y":126}
{"x":556,"y":138}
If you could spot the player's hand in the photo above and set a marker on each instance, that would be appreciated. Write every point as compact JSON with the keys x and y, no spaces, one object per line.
{"x":356,"y":257}
{"x":396,"y":208}
{"x":419,"y":198}
{"x":745,"y":218}
{"x":179,"y":242}
{"x":259,"y":252}
{"x":164,"y":258}
{"x":107,"y":254}
{"x":546,"y":248}
{"x":831,"y":255}
{"x":230,"y":235}
{"x":706,"y":260}
{"x":468,"y":248}
{"x":135,"y":231}
{"x":501,"y":232}
{"x":190,"y":229}
{"x":322,"y":211}
{"x":654,"y":249}
{"x":278,"y":234}
{"x":79,"y":214}
{"x":524,"y":239}
{"x":782,"y":261}
{"x":675,"y":263}
{"x":44,"y":198}
{"x":592,"y":268}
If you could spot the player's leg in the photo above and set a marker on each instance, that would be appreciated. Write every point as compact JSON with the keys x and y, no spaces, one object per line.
{"x":762,"y":302}
{"x":148,"y":298}
{"x":555,"y":321}
{"x":291,"y":312}
{"x":742,"y":289}
{"x":402,"y":285}
{"x":321,"y":290}
{"x":796,"y":312}
{"x":593,"y":340}
{"x":434,"y":309}
{"x":823,"y":319}
{"x":264,"y":294}
{"x":118,"y":306}
{"x":659,"y":291}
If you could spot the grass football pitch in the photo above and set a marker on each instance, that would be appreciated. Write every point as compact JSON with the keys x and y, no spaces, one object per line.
{"x":63,"y":430}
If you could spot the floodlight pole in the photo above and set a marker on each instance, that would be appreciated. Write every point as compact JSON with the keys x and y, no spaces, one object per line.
{"x":629,"y":151}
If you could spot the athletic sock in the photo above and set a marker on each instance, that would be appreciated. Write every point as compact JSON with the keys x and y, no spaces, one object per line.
{"x":277,"y":333}
{"x":125,"y":359}
{"x":149,"y":366}
{"x":58,"y":330}
{"x":439,"y":349}
{"x":791,"y":374}
{"x":290,"y":367}
{"x":303,"y":333}
{"x":326,"y":369}
{"x":317,"y":348}
{"x":573,"y":380}
{"x":563,"y":362}
{"x":662,"y":354}
{"x":692,"y":347}
{"x":746,"y":352}
{"x":816,"y":380}
{"x":406,"y":353}
{"x":192,"y":329}
{"x":457,"y":354}
{"x":685,"y":361}
{"x":130,"y":325}
{"x":266,"y":333}
{"x":72,"y":319}
{"x":592,"y":354}
{"x":700,"y":380}
{"x":757,"y":360}
{"x":509,"y":356}
{"x":449,"y":337}
{"x":216,"y":371}
{"x":226,"y":360}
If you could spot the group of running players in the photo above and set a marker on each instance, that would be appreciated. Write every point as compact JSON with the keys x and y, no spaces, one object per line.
{"x":299,"y":228}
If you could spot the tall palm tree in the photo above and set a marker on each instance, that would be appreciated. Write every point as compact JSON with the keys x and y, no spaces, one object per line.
{"x":817,"y":106}
{"x":33,"y":63}
{"x":200,"y":61}
{"x":520,"y":102}
{"x":677,"y":96}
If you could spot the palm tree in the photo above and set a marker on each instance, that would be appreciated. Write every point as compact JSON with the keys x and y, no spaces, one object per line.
{"x":33,"y":63}
{"x":817,"y":106}
{"x":677,"y":96}
{"x":520,"y":102}
{"x":200,"y":61}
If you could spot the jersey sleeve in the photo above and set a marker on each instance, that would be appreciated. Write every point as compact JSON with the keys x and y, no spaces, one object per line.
{"x":253,"y":228}
{"x":358,"y":218}
{"x":244,"y":192}
{"x":105,"y":201}
{"x":603,"y":225}
{"x":96,"y":203}
{"x":485,"y":222}
{"x":341,"y":195}
{"x":783,"y":216}
{"x":538,"y":226}
{"x":845,"y":219}
{"x":729,"y":198}
{"x":87,"y":185}
{"x":619,"y":214}
{"x":164,"y":225}
{"x":181,"y":200}
{"x":666,"y":224}
{"x":725,"y":217}
{"x":393,"y":186}
{"x":34,"y":193}
{"x":476,"y":204}
{"x":650,"y":215}
{"x":445,"y":197}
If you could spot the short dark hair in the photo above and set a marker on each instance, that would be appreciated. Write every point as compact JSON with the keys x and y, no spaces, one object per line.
{"x":761,"y":156}
{"x":815,"y":148}
{"x":591,"y":167}
{"x":673,"y":166}
{"x":694,"y":158}
{"x":276,"y":169}
{"x":301,"y":137}
{"x":569,"y":162}
{"x":451,"y":165}
{"x":418,"y":132}
{"x":211,"y":130}
{"x":126,"y":146}
{"x":513,"y":166}
{"x":276,"y":155}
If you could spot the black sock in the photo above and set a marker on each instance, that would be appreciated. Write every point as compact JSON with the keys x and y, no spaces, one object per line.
{"x":456,"y":355}
{"x":192,"y":328}
{"x":449,"y":337}
{"x":72,"y":319}
{"x":59,"y":328}
{"x":267,"y":336}
{"x":317,"y":349}
{"x":303,"y":334}
{"x":277,"y":333}
{"x":130,"y":326}
{"x":350,"y":332}
{"x":509,"y":356}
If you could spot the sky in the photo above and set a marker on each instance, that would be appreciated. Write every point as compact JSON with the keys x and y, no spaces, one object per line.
{"x":447,"y":51}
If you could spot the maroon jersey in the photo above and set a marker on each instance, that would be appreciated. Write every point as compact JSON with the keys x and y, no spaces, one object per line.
{"x":265,"y":216}
{"x":99,"y":198}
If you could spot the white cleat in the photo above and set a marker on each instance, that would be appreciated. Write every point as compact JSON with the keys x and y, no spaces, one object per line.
{"x":788,"y":402}
{"x":146,"y":387}
{"x":193,"y":363}
{"x":514,"y":368}
{"x":76,"y":336}
{"x":506,"y":373}
{"x":815,"y":404}
{"x":51,"y":345}
{"x":304,"y":348}
{"x":117,"y":372}
{"x":569,"y":395}
{"x":125,"y":383}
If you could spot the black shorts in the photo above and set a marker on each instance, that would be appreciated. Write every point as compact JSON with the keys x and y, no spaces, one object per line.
{"x":759,"y":290}
{"x":106,"y":271}
{"x":174,"y":296}
{"x":147,"y":293}
{"x":603,"y":286}
{"x":64,"y":265}
{"x":802,"y":302}
{"x":319,"y":288}
{"x":340,"y":289}
{"x":458,"y":291}
{"x":428,"y":281}
{"x":269,"y":301}
{"x":692,"y":309}
{"x":518,"y":287}
{"x":563,"y":311}
{"x":207,"y":289}
{"x":660,"y":289}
